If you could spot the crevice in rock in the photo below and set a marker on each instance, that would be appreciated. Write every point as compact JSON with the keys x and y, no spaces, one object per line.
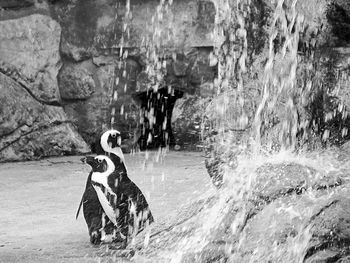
{"x":69,"y":101}
{"x":12,"y":73}
{"x":40,"y":127}
{"x":329,"y":242}
{"x":298,"y":190}
{"x":342,"y":245}
{"x":14,"y":130}
{"x":16,"y":5}
{"x":158,"y":105}
{"x":322,"y":210}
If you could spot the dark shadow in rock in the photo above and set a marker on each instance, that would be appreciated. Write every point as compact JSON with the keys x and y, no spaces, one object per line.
{"x":338,"y":15}
{"x":159,"y":105}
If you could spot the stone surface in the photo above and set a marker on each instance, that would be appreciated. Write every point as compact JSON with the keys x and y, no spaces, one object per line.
{"x":338,"y":16}
{"x":31,"y":45}
{"x":30,"y":129}
{"x":16,"y":4}
{"x":187,"y":120}
{"x":305,"y":218}
{"x":113,"y":88}
{"x":76,"y":83}
{"x":94,"y":30}
{"x":88,"y":25}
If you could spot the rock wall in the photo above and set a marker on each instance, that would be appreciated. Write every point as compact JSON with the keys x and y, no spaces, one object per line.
{"x":67,"y":56}
{"x":95,"y":59}
{"x":33,"y":124}
{"x":95,"y":34}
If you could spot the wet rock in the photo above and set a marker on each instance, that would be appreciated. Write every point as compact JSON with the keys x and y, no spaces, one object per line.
{"x":312,"y":225}
{"x":92,"y":115}
{"x":274,"y":180}
{"x":103,"y":60}
{"x":76,"y":82}
{"x":180,"y":67}
{"x":331,"y":230}
{"x":107,"y":91}
{"x":16,"y":4}
{"x":76,"y":53}
{"x":293,"y":227}
{"x":30,"y":129}
{"x":186,"y":121}
{"x":94,"y":30}
{"x":31,"y":45}
{"x":89,"y":26}
{"x":338,"y":16}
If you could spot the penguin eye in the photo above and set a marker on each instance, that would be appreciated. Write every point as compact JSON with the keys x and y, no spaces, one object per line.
{"x":113,"y":135}
{"x":99,"y":160}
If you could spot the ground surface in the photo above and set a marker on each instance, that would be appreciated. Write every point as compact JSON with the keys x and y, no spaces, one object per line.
{"x":39,"y":200}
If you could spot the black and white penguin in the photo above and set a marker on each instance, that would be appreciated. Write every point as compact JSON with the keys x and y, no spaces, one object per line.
{"x":122,"y":201}
{"x":99,"y":226}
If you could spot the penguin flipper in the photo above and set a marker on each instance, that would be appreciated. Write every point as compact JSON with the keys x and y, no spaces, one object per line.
{"x":81,"y":202}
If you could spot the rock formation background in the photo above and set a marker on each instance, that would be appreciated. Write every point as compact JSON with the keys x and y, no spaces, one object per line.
{"x":61,"y":65}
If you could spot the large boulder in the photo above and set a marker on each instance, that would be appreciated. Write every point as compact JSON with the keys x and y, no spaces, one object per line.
{"x":187,"y":120}
{"x":282,"y":209}
{"x":91,"y":28}
{"x":76,"y":82}
{"x":31,"y":45}
{"x":30,"y":129}
{"x":16,"y":4}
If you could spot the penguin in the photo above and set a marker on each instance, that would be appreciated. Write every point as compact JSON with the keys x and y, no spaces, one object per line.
{"x":99,"y":226}
{"x":121,"y":199}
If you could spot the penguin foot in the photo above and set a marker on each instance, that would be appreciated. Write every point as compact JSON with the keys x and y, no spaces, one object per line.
{"x":106,"y":239}
{"x":95,"y":238}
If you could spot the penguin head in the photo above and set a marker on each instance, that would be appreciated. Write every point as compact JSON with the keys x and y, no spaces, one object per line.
{"x":100,"y":163}
{"x":110,"y":140}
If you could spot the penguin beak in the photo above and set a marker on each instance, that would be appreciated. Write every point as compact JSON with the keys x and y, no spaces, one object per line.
{"x":88,"y":159}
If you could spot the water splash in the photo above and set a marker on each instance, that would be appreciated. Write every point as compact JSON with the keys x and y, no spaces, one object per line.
{"x":273,"y":128}
{"x":271,"y":120}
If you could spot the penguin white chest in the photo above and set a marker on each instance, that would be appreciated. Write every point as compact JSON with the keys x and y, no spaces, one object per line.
{"x":107,"y":207}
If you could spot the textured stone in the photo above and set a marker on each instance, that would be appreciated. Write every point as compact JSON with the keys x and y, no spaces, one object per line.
{"x":316,"y":224}
{"x":77,"y":53}
{"x":31,"y":45}
{"x":187,"y":120}
{"x":295,"y":226}
{"x":16,"y":4}
{"x":338,"y":16}
{"x":75,"y":82}
{"x":89,"y":26}
{"x":114,"y":86}
{"x":30,"y":129}
{"x":92,"y":115}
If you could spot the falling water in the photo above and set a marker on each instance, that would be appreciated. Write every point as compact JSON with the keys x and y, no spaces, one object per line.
{"x":266,"y":104}
{"x":273,"y":122}
{"x":121,"y":63}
